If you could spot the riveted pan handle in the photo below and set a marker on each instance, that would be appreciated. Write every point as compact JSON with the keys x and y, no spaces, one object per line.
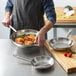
{"x":12,"y":28}
{"x":69,"y":32}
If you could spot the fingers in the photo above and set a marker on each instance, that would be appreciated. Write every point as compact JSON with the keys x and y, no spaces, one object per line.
{"x":41,"y":41}
{"x":36,"y":39}
{"x":40,"y":38}
{"x":6,"y":22}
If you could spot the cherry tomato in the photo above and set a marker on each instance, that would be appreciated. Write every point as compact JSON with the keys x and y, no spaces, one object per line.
{"x":65,"y":54}
{"x":69,"y":54}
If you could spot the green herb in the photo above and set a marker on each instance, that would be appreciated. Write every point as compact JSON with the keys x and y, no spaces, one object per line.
{"x":23,"y":35}
{"x":72,"y":52}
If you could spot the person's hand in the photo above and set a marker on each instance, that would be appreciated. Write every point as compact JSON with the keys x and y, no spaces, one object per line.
{"x":40,"y":38}
{"x":6,"y":22}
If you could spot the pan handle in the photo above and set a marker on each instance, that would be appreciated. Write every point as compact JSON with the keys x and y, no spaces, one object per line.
{"x":12,"y":28}
{"x":25,"y":59}
{"x":69,"y":32}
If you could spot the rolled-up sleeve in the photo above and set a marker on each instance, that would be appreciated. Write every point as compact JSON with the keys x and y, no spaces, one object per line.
{"x":49,"y":9}
{"x":9,"y":6}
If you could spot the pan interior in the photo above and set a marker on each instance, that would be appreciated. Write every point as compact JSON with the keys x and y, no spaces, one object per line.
{"x":43,"y":62}
{"x":21,"y":32}
{"x":61,"y":43}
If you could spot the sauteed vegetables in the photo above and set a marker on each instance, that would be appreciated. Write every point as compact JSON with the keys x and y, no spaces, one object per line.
{"x":25,"y":39}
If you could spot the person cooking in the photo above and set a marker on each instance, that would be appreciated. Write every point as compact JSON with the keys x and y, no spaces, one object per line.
{"x":28,"y":14}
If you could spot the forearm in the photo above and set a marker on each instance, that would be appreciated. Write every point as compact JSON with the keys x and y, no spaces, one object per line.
{"x":48,"y":25}
{"x":40,"y":37}
{"x":7,"y":14}
{"x":7,"y":21}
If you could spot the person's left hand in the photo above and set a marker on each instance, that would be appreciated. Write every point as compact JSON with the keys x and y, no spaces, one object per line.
{"x":40,"y":38}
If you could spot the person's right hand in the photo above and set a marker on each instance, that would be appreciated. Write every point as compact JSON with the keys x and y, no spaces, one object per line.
{"x":6,"y":22}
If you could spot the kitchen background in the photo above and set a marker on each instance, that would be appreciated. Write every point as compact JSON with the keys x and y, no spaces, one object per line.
{"x":4,"y":31}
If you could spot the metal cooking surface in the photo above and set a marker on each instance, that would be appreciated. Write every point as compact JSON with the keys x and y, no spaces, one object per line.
{"x":44,"y":63}
{"x":60,"y":45}
{"x":40,"y":59}
{"x":22,"y":52}
{"x":21,"y":32}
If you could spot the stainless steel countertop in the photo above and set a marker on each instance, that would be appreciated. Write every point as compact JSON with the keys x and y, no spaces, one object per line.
{"x":10,"y":66}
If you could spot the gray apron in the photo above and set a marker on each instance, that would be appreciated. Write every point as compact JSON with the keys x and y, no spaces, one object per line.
{"x":27,"y":14}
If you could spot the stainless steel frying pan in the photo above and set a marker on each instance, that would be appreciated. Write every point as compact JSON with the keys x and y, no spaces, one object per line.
{"x":21,"y":32}
{"x":39,"y":62}
{"x":61,"y":43}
